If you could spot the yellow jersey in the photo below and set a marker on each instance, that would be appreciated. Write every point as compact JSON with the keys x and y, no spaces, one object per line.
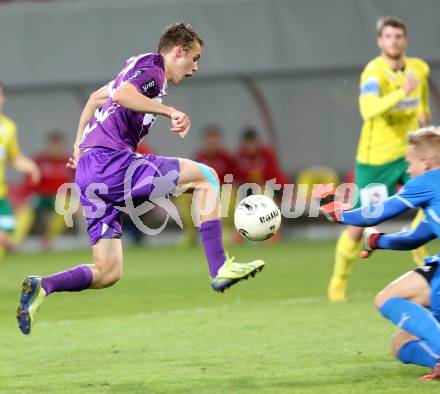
{"x":8,"y":148}
{"x":388,"y":113}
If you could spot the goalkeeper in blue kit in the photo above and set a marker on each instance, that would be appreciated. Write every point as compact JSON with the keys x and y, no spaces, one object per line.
{"x":412,"y":302}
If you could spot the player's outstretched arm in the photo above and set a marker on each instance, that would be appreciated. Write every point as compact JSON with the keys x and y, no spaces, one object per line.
{"x":407,"y":240}
{"x":337,"y":211}
{"x":403,"y":240}
{"x":374,"y":214}
{"x":128,"y":96}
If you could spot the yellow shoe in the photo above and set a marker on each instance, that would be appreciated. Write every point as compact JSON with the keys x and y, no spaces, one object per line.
{"x":32,"y":296}
{"x":337,"y":289}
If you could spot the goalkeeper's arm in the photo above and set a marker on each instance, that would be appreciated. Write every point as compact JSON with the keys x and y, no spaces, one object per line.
{"x":374,"y":214}
{"x":403,"y":240}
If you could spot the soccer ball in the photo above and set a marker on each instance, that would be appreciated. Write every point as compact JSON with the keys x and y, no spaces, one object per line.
{"x":257,"y":217}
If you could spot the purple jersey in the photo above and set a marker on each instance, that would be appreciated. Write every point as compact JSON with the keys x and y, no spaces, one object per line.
{"x":116,"y":127}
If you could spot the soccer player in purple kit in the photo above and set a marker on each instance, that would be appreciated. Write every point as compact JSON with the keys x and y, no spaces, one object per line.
{"x":113,"y":122}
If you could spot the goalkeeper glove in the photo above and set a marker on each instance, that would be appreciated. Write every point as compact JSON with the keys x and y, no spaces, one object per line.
{"x":329,"y":205}
{"x":370,"y":237}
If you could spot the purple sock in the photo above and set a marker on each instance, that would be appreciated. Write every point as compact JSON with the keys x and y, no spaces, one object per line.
{"x":75,"y":279}
{"x":211,"y":235}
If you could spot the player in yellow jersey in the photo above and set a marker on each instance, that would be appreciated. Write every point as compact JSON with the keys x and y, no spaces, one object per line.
{"x":393,"y":101}
{"x":10,"y":153}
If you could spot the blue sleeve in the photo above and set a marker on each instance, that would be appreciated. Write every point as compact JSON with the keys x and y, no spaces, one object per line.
{"x":374,"y":214}
{"x":417,"y":192}
{"x":407,"y":240}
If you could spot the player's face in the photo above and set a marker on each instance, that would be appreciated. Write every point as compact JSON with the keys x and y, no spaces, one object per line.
{"x":56,"y":148}
{"x":251,"y":147}
{"x":186,"y":63}
{"x":392,"y":42}
{"x":417,"y":164}
{"x":212,"y":142}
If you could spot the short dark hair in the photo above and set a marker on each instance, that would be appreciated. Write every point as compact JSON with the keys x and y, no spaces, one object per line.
{"x":212,"y":129}
{"x":249,"y":134}
{"x":179,"y":33}
{"x":2,"y":88}
{"x":55,"y":136}
{"x":393,"y":21}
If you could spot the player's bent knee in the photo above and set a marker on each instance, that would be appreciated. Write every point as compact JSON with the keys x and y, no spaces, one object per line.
{"x":380,"y":299}
{"x":210,"y":176}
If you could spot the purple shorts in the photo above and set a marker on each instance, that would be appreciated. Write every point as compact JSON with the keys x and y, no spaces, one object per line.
{"x":107,"y":178}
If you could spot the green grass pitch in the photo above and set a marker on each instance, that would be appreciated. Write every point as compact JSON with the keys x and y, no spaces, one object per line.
{"x":162,"y":330}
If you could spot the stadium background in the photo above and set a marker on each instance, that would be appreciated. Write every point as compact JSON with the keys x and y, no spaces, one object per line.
{"x":300,"y":60}
{"x":289,"y":68}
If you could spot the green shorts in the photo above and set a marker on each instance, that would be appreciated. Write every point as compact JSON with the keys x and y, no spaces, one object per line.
{"x":7,"y":219}
{"x":377,"y":182}
{"x":44,"y":203}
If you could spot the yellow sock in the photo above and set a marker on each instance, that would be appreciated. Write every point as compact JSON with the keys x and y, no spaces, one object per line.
{"x":24,"y":218}
{"x":420,"y":253}
{"x":347,"y":250}
{"x":56,"y":226}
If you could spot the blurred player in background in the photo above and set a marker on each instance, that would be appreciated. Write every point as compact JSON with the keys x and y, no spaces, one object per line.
{"x":52,"y":165}
{"x":113,"y":122}
{"x":10,"y":154}
{"x":258,"y":163}
{"x":214,"y":154}
{"x":394,"y":99}
{"x":412,"y":302}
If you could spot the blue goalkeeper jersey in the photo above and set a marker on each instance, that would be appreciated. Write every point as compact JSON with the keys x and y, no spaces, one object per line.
{"x":423,"y":192}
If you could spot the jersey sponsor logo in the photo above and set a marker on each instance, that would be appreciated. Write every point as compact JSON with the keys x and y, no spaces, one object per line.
{"x":136,"y":74}
{"x":407,"y":103}
{"x":148,"y":85}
